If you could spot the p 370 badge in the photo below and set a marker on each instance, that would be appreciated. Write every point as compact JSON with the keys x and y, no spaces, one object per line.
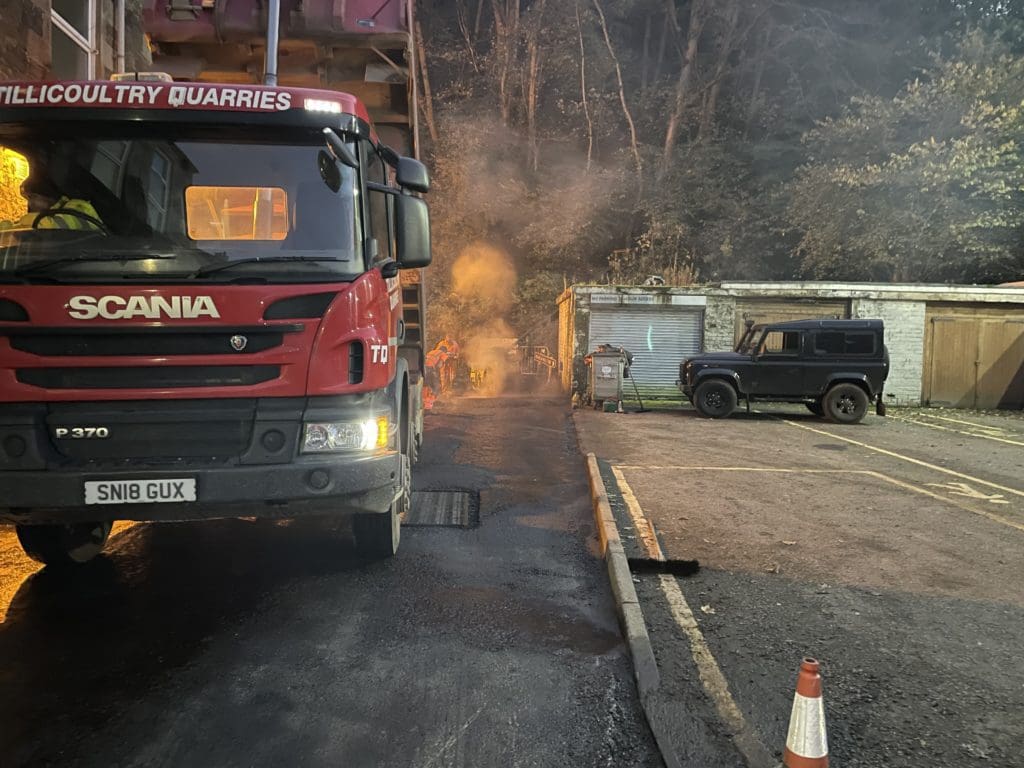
{"x":81,"y":433}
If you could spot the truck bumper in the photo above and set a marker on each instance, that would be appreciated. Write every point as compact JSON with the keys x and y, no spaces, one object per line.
{"x":316,"y":484}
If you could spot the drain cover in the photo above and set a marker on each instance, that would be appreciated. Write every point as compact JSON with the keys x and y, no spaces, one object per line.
{"x":446,"y":509}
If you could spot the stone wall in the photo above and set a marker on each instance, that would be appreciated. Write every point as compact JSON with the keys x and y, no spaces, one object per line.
{"x":719,"y":323}
{"x":24,"y":39}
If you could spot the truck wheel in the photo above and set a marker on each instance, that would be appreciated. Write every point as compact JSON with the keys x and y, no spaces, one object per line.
{"x":845,"y":404}
{"x":715,"y":399}
{"x":64,"y":544}
{"x":815,"y":408}
{"x":377,"y":535}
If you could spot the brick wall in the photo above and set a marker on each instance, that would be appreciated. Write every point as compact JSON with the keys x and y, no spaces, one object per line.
{"x":24,"y":39}
{"x":904,"y":336}
{"x":719,"y":324}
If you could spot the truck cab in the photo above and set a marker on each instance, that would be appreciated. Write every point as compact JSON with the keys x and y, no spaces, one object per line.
{"x":203,"y":317}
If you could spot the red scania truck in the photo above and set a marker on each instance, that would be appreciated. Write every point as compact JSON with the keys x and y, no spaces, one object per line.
{"x":212,"y":306}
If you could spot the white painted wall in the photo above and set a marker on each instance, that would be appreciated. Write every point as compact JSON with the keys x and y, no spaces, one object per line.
{"x":904,"y":336}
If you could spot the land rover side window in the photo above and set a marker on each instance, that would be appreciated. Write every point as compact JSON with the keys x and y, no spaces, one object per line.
{"x":844,"y":343}
{"x":780,"y":343}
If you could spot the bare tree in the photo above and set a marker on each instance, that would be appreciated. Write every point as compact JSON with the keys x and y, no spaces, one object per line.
{"x":506,"y":29}
{"x":686,"y":74}
{"x":725,"y":49}
{"x":622,"y":94}
{"x":583,"y":89}
{"x":533,"y":81}
{"x":469,"y":38}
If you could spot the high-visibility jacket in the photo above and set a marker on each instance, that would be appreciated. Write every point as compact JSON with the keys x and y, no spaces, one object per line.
{"x":58,"y":220}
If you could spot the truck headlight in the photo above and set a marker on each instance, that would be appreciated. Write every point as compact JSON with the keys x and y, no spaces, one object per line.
{"x":325,"y":436}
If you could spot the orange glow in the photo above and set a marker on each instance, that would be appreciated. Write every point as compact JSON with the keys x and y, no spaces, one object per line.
{"x":236,"y":213}
{"x":13,"y":170}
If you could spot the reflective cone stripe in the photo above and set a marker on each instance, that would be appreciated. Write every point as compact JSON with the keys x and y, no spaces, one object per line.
{"x":806,"y":742}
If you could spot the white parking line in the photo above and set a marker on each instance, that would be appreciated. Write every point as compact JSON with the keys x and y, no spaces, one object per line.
{"x":962,"y":421}
{"x":996,"y":438}
{"x":909,"y":459}
{"x":953,"y":488}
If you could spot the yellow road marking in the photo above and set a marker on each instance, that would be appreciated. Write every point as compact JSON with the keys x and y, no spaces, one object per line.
{"x":909,"y":420}
{"x":864,"y":472}
{"x":643,"y":526}
{"x":713,"y":679}
{"x":710,"y":673}
{"x":908,"y":459}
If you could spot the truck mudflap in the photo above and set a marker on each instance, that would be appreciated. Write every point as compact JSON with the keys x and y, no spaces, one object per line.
{"x":324,"y":484}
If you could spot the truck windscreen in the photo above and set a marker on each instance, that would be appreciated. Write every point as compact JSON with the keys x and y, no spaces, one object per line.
{"x":164,"y":201}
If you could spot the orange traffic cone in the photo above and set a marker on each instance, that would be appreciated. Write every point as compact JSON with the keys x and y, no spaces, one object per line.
{"x":806,"y":742}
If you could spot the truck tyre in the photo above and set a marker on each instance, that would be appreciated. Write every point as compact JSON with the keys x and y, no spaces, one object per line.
{"x":378,"y":535}
{"x":715,"y":399}
{"x":64,"y":544}
{"x":845,"y":404}
{"x":815,"y":408}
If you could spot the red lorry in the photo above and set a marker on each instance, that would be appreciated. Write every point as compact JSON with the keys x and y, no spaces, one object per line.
{"x":203,"y":312}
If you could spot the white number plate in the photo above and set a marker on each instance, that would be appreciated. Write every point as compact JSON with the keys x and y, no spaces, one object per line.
{"x":140,"y":491}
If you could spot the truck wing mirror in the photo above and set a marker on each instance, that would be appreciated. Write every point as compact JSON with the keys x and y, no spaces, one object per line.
{"x":412,"y":235}
{"x":412,"y":174}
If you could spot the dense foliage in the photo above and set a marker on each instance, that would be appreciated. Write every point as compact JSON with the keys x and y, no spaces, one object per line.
{"x":701,"y":140}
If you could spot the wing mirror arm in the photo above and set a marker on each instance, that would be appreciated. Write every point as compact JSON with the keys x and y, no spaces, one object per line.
{"x":342,"y":152}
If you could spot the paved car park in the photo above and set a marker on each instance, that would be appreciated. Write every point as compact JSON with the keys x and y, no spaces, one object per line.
{"x":889,"y":550}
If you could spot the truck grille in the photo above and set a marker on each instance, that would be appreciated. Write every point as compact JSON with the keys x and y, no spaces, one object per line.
{"x":155,"y":432}
{"x":163,"y":377}
{"x":120,"y":342}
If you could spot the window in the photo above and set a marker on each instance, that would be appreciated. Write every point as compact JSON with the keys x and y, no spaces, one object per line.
{"x":236,"y":213}
{"x":380,"y":207}
{"x":108,"y":161}
{"x":781,"y":343}
{"x":844,"y":343}
{"x":73,"y":39}
{"x":157,"y":189}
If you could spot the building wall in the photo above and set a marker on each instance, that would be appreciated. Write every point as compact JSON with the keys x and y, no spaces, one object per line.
{"x":24,"y":39}
{"x":719,"y":323}
{"x":904,"y":336}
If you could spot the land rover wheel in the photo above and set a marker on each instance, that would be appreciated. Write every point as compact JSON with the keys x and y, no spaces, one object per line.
{"x":64,"y":544}
{"x":378,"y":535}
{"x":845,"y":404}
{"x":715,"y":399}
{"x":815,"y":408}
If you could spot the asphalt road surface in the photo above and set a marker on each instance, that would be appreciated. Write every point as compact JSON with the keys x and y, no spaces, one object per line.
{"x":890,"y":551}
{"x":267,"y":644}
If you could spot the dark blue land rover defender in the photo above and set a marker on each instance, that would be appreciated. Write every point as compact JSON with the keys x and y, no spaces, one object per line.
{"x":835,"y":367}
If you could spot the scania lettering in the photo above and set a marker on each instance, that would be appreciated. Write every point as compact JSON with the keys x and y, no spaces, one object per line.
{"x":151,"y":307}
{"x":211,"y":301}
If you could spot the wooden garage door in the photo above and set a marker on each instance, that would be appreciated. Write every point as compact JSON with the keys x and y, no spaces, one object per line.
{"x":782,"y":310}
{"x":974,"y":359}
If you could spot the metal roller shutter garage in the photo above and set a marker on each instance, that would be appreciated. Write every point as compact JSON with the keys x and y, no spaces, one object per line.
{"x":658,"y":337}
